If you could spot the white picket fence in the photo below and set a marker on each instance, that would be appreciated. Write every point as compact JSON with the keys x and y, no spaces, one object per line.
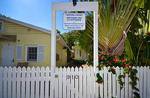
{"x":68,"y":83}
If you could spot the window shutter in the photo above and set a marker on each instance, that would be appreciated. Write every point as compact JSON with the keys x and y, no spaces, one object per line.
{"x":40,"y":53}
{"x":19,"y":52}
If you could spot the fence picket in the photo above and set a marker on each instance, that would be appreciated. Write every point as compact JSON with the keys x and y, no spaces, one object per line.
{"x":105,"y":83}
{"x":60,"y":83}
{"x":93,"y":82}
{"x":88,"y":86}
{"x":56,"y":83}
{"x":123,"y":88}
{"x":72,"y":82}
{"x":148,"y":84}
{"x":126,"y":87}
{"x":42,"y":83}
{"x":84,"y":83}
{"x":114,"y":85}
{"x":145,"y":87}
{"x":109,"y":85}
{"x":1,"y":80}
{"x":18,"y":82}
{"x":9,"y":82}
{"x":96,"y":84}
{"x":138,"y":75}
{"x":118,"y":85}
{"x":76,"y":78}
{"x":47,"y":79}
{"x":37,"y":73}
{"x":23,"y":82}
{"x":141,"y":78}
{"x":101,"y":91}
{"x":64,"y":82}
{"x":80,"y":82}
{"x":32,"y":82}
{"x":5,"y":83}
{"x":28,"y":82}
{"x":14,"y":82}
{"x":69,"y":83}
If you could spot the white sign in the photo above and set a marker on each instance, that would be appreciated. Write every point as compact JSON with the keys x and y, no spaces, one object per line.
{"x":74,"y":21}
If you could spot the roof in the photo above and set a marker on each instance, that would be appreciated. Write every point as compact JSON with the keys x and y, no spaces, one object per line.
{"x":2,"y":17}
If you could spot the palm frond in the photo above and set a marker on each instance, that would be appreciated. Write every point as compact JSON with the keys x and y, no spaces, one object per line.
{"x":113,"y":21}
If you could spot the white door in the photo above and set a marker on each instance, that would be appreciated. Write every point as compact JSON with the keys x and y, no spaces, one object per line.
{"x":8,"y":55}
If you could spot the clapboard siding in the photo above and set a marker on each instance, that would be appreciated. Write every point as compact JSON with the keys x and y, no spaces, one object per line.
{"x":27,"y":36}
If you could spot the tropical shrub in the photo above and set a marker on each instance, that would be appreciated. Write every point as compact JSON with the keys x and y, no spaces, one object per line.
{"x":121,"y":61}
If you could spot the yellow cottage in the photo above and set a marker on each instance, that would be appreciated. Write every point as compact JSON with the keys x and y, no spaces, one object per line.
{"x":23,"y":44}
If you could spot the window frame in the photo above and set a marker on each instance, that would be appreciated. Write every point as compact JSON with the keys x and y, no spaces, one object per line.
{"x":27,"y":54}
{"x":35,"y":45}
{"x":2,"y":26}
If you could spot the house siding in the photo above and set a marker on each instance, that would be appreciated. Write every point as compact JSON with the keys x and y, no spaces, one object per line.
{"x":62,"y":55}
{"x":27,"y":37}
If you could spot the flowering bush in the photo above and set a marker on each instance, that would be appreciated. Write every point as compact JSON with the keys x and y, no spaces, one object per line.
{"x":121,"y":61}
{"x":113,"y":60}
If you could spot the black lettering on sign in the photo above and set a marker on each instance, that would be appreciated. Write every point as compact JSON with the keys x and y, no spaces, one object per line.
{"x":72,"y":76}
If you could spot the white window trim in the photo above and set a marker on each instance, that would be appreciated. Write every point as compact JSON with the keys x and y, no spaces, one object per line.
{"x":26,"y":52}
{"x":1,"y":30}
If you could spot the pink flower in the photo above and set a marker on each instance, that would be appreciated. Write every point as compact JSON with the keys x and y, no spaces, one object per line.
{"x":123,"y":60}
{"x":115,"y":60}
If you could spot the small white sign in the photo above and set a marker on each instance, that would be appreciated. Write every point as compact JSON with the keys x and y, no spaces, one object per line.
{"x":74,"y":21}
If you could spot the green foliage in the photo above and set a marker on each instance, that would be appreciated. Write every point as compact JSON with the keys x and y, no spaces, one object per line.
{"x":112,"y":62}
{"x":71,"y":38}
{"x":76,"y":63}
{"x":139,"y":27}
{"x":86,"y":38}
{"x":114,"y":18}
{"x":139,"y":53}
{"x":99,"y":78}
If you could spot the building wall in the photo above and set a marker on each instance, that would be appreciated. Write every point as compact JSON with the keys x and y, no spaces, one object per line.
{"x":30,"y":37}
{"x":79,"y":54}
{"x":0,"y":52}
{"x":62,"y":55}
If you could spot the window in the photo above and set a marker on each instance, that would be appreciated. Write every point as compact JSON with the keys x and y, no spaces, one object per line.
{"x":1,"y":26}
{"x":35,"y":53}
{"x":32,"y":54}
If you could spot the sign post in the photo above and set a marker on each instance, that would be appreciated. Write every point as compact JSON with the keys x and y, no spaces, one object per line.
{"x":81,"y":6}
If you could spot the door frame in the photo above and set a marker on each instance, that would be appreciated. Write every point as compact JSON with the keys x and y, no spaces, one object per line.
{"x":7,"y":44}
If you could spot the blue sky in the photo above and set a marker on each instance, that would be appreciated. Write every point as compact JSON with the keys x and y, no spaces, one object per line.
{"x":36,"y":12}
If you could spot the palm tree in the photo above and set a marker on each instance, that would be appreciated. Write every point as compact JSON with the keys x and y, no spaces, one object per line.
{"x":115,"y":17}
{"x":140,"y":33}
